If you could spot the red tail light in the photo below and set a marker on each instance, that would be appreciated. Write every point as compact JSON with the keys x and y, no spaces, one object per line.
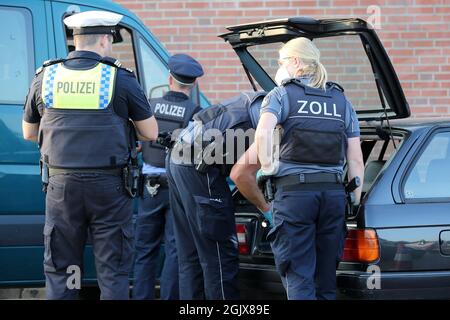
{"x":241,"y":231}
{"x":361,"y":245}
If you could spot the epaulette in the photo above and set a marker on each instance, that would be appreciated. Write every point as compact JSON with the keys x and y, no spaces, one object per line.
{"x":48,"y":63}
{"x":335,"y":85}
{"x":254,"y":95}
{"x":293,"y":80}
{"x":39,"y":70}
{"x":115,"y":63}
{"x":287,"y":81}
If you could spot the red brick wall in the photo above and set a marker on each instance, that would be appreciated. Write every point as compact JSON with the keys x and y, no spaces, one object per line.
{"x":416,"y":34}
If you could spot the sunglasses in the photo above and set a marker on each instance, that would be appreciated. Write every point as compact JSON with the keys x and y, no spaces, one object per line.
{"x":280,"y":61}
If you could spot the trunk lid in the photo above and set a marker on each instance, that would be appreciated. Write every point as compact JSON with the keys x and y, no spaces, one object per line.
{"x":351,"y":52}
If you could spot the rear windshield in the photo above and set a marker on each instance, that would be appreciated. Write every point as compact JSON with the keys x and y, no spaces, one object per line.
{"x":346,"y":62}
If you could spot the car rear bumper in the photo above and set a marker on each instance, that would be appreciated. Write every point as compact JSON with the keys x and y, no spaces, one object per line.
{"x":394,"y":285}
{"x":258,"y":281}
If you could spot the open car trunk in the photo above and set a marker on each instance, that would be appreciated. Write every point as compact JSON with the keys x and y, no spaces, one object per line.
{"x":350,"y":51}
{"x":355,"y":59}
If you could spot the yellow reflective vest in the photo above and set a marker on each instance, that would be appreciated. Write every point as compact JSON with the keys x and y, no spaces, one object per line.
{"x":79,"y":128}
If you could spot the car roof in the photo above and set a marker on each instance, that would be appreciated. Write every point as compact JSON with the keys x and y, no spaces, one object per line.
{"x":101,"y":4}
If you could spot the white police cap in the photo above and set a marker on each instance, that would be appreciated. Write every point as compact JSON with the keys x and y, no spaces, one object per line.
{"x":93,"y":22}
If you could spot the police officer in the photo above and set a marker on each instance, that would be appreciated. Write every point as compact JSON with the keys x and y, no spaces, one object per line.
{"x":320,"y":131}
{"x":77,"y":110}
{"x":202,"y":206}
{"x":154,"y":221}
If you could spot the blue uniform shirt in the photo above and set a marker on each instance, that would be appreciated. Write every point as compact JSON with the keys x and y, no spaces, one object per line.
{"x":149,"y":169}
{"x":187,"y":135}
{"x":277,"y":103}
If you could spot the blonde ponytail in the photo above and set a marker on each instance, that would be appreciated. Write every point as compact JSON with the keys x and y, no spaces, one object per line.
{"x":319,"y":77}
{"x":309,"y":55}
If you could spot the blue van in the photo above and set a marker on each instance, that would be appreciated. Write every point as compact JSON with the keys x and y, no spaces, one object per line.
{"x":31,"y":32}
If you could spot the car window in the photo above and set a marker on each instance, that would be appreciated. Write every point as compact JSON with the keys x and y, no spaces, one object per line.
{"x":378,"y":149}
{"x":155,"y":71}
{"x":346,"y":63}
{"x":430,"y":175}
{"x":376,"y":160}
{"x":16,"y":54}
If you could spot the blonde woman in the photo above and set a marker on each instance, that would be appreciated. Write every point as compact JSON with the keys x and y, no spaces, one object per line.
{"x":320,"y":133}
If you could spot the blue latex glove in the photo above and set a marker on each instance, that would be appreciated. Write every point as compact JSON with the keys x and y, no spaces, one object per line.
{"x":260,"y":180}
{"x":268,"y":216}
{"x":259,"y":173}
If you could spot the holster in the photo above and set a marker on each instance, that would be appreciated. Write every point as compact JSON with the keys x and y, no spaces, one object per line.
{"x":44,"y":175}
{"x":130,"y":175}
{"x":267,"y":187}
{"x":349,"y":191}
{"x":269,"y":190}
{"x":351,"y":210}
{"x":203,"y":167}
{"x":131,"y":171}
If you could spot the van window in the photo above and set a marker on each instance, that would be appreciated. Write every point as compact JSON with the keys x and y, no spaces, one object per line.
{"x":430,"y":176}
{"x":122,"y":51}
{"x":155,"y":72}
{"x":16,"y":54}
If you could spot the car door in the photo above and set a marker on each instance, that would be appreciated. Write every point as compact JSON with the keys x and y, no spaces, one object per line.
{"x":24,"y":45}
{"x":417,"y":231}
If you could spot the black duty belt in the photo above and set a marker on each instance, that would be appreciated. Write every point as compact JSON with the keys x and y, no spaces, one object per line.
{"x":307,"y":178}
{"x":114,"y":171}
{"x":153,"y":179}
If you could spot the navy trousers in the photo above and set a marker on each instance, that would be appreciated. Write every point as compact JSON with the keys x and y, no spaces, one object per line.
{"x":153,"y":224}
{"x":82,"y":204}
{"x":307,"y":238}
{"x":205,"y":233}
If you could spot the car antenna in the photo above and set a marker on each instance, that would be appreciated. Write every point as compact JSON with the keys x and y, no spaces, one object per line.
{"x":380,"y":93}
